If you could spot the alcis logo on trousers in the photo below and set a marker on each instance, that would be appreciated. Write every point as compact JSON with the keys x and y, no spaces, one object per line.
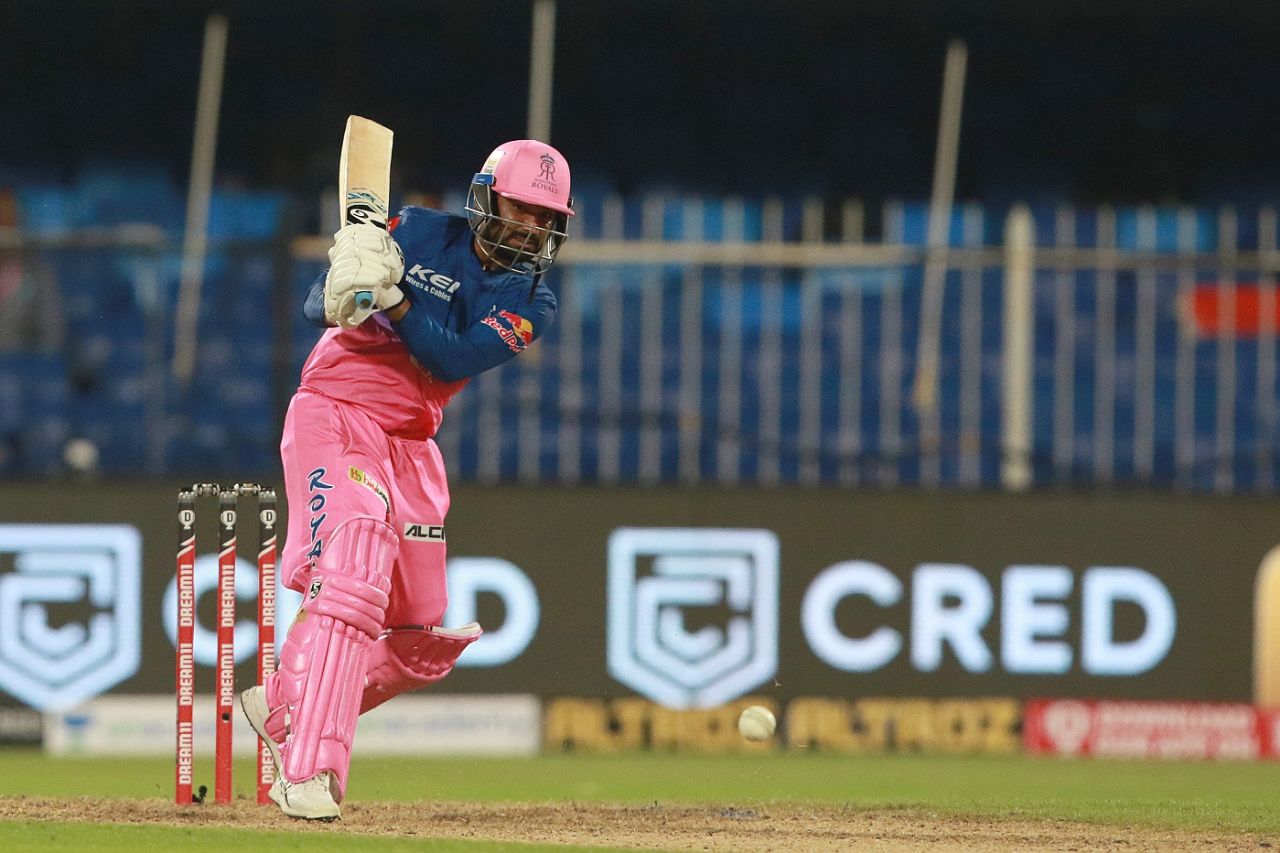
{"x":424,"y":532}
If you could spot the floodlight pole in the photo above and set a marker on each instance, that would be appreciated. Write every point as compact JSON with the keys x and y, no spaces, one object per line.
{"x":542,"y":54}
{"x":195,"y":236}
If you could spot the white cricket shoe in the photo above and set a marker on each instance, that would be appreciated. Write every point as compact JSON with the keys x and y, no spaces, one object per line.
{"x":253,"y":702}
{"x":311,"y":799}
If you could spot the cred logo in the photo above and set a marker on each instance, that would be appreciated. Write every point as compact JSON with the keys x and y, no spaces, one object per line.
{"x":94,"y":573}
{"x":693,"y":614}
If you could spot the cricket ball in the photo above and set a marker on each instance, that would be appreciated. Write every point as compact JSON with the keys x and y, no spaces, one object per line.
{"x":756,"y":723}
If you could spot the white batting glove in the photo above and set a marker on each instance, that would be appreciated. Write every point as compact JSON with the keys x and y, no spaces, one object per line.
{"x":388,"y":297}
{"x":364,"y":259}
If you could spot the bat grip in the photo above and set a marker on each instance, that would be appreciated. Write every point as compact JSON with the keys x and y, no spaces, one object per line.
{"x":364,"y":299}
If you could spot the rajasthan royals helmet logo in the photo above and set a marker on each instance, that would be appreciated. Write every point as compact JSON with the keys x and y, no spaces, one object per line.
{"x":548,"y":167}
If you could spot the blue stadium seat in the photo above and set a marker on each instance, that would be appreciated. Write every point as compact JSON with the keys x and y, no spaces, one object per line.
{"x":34,"y":411}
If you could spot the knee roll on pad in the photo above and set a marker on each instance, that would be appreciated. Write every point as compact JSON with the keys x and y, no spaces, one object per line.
{"x":405,"y":658}
{"x":324,"y":658}
{"x":353,"y":602}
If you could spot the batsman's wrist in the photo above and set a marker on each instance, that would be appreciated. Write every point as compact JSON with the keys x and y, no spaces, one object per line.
{"x":390,"y":296}
{"x":397,"y":312}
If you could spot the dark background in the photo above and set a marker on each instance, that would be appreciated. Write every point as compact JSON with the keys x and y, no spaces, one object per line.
{"x":1172,"y":101}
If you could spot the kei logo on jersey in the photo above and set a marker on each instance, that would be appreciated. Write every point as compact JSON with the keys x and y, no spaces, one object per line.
{"x":515,"y":331}
{"x":437,"y":284}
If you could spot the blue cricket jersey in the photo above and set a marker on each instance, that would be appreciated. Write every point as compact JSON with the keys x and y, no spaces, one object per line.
{"x":462,"y":321}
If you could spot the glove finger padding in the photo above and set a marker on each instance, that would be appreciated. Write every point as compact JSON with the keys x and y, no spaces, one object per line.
{"x":363,"y":258}
{"x":340,"y":310}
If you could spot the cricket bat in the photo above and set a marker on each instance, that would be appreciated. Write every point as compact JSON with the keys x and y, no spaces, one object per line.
{"x":364,"y":180}
{"x":1266,"y":632}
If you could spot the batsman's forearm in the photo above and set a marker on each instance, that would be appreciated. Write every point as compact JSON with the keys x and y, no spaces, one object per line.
{"x":448,"y":355}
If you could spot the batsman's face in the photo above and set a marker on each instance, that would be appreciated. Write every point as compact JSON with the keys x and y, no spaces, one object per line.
{"x":524,"y":226}
{"x":512,"y":234}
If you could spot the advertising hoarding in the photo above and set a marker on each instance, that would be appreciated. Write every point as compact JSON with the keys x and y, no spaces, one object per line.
{"x":690,"y":598}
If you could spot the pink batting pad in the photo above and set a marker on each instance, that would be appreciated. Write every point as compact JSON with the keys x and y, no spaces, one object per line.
{"x":323,"y":660}
{"x":405,"y":658}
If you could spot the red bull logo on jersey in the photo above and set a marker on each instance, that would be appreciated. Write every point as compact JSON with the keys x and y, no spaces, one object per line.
{"x":519,"y":325}
{"x":516,"y":331}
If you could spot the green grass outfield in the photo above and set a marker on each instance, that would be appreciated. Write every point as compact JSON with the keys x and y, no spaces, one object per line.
{"x":1236,"y":797}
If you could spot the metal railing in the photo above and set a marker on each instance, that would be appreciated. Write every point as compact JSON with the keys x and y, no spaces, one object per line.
{"x":776,"y":362}
{"x":721,"y":341}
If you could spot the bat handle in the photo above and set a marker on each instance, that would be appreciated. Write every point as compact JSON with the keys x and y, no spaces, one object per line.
{"x":364,"y":299}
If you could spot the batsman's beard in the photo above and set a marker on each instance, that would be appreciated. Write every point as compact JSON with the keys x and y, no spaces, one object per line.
{"x":512,"y":245}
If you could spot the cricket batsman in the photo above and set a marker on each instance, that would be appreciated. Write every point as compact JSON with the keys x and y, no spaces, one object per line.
{"x":453,"y":296}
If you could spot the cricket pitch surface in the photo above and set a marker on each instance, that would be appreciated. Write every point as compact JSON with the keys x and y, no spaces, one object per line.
{"x":748,"y":827}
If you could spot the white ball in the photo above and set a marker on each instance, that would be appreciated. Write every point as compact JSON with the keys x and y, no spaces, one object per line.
{"x":756,"y":723}
{"x":80,"y":454}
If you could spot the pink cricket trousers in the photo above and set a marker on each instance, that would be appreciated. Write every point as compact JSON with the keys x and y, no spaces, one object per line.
{"x":339,"y":463}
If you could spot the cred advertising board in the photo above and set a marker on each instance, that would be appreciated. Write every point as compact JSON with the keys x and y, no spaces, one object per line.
{"x":694,"y":599}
